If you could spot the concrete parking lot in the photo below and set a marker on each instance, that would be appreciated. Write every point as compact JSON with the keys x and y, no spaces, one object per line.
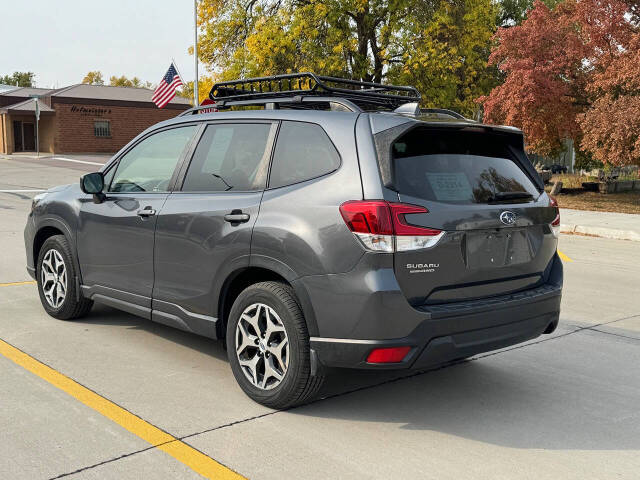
{"x":562,"y":406}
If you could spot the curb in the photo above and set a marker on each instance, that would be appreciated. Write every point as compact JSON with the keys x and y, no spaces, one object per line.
{"x":601,"y":232}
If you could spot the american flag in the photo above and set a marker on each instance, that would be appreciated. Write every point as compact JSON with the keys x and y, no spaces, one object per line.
{"x":166,"y":89}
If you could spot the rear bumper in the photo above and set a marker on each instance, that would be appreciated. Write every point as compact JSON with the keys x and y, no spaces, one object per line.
{"x":447,"y":332}
{"x":532,"y":320}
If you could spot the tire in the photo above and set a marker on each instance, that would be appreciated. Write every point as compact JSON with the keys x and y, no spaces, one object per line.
{"x":296,"y":386}
{"x":56,"y":255}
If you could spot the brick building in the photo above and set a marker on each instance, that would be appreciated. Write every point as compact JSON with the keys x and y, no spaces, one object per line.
{"x":80,"y":118}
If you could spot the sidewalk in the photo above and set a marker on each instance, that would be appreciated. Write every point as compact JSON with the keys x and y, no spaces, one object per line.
{"x":620,"y":226}
{"x":88,"y":158}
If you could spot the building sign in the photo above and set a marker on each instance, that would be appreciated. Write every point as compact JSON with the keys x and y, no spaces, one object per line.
{"x":93,"y":111}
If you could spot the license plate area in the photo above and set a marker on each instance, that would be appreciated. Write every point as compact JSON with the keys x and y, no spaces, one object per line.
{"x":497,"y":248}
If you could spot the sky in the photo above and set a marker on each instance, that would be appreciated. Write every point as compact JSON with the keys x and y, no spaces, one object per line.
{"x":61,"y":40}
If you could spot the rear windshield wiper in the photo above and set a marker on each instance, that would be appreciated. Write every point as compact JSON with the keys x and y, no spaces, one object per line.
{"x":506,"y":196}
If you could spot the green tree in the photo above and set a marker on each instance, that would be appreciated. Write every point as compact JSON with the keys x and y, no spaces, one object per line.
{"x":446,"y":43}
{"x":93,"y":78}
{"x":339,"y":37}
{"x":446,"y":57}
{"x":123,"y":81}
{"x":513,"y":12}
{"x":19,"y":79}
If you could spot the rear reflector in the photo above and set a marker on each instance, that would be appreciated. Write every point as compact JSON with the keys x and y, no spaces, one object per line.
{"x":388,"y":355}
{"x":381,"y":226}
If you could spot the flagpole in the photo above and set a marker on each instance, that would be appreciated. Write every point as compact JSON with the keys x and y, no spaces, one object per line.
{"x":173,"y":61}
{"x":196,"y":101}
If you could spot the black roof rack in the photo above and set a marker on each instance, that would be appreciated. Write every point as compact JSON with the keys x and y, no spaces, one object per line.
{"x":364,"y":95}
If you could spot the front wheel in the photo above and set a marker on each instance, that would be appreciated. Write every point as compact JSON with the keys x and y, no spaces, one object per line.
{"x":268,"y":346}
{"x":56,"y":277}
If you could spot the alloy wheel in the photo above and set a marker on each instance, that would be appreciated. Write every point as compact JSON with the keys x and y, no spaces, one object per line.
{"x":53,"y":276}
{"x":262,"y":346}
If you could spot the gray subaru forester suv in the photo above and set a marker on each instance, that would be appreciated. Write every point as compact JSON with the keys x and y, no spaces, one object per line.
{"x":311,"y":222}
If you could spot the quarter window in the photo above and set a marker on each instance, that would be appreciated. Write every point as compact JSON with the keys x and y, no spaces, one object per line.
{"x":149,"y":165}
{"x":230,"y":157}
{"x":102,"y":128}
{"x":303,"y":151}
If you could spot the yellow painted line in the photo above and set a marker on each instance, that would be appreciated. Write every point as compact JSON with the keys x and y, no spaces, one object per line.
{"x":563,"y":257}
{"x":11,"y":284}
{"x":194,"y":459}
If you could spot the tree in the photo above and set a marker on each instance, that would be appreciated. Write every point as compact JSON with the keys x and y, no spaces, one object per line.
{"x":337,"y":37}
{"x":123,"y":81}
{"x":204,"y":86}
{"x":19,"y":79}
{"x":446,"y":57}
{"x":549,"y":61}
{"x":513,"y":12}
{"x":93,"y":78}
{"x":446,"y":42}
{"x":612,"y":125}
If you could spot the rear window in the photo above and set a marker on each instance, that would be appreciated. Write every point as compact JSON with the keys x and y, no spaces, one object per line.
{"x":457,"y":167}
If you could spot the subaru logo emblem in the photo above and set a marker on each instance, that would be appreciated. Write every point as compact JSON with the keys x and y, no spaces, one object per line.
{"x":508,"y":218}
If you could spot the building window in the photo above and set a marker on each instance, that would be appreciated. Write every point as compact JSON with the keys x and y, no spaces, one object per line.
{"x":102,"y":128}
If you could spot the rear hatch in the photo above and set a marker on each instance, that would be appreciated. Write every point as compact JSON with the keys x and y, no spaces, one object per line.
{"x":478,"y":187}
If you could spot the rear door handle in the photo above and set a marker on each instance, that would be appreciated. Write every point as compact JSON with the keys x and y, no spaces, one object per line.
{"x":146,"y":212}
{"x":237,"y":216}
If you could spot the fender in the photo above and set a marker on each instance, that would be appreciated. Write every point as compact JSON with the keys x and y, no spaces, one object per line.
{"x":228,"y":271}
{"x":290,"y":276}
{"x":60,"y":224}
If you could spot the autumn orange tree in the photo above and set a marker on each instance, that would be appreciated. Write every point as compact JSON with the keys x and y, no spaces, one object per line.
{"x":611,"y":127}
{"x":571,"y":72}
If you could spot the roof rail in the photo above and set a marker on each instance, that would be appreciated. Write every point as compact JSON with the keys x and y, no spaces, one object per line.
{"x":442,"y":111}
{"x":369,"y":95}
{"x":300,"y":102}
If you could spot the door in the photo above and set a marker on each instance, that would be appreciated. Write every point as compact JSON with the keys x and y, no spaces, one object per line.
{"x":29,"y":134}
{"x":204,"y":230}
{"x":116,"y":237}
{"x":484,"y":227}
{"x":17,"y":136}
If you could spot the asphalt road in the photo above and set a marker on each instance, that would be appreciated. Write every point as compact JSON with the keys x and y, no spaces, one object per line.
{"x":562,"y":406}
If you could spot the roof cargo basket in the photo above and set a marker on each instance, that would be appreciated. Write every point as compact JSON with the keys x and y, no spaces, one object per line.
{"x":292,"y":86}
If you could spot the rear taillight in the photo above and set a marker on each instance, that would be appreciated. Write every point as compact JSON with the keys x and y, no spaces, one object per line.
{"x":388,"y":355}
{"x":555,"y":225}
{"x":371,"y":223}
{"x":381,"y":226}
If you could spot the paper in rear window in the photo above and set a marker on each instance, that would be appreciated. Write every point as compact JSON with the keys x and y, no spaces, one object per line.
{"x":450,"y":187}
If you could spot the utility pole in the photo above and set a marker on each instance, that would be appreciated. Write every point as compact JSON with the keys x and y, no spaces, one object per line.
{"x":195,"y":52}
{"x":37,"y":114}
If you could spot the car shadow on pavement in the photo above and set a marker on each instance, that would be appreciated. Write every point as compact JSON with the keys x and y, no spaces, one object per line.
{"x":492,"y":400}
{"x":531,"y":398}
{"x":104,"y":315}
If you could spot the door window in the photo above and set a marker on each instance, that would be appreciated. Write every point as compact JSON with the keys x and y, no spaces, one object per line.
{"x":303,"y":152}
{"x":230,"y":157}
{"x":149,"y":165}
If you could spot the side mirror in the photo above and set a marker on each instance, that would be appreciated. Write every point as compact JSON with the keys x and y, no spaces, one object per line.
{"x":93,"y":183}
